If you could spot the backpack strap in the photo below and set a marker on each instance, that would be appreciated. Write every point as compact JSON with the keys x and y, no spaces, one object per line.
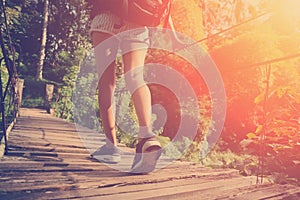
{"x":168,"y":13}
{"x":177,"y":42}
{"x":124,"y":8}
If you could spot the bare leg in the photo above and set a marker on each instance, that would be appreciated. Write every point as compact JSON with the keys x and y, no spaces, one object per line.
{"x":141,"y":96}
{"x":148,"y":147}
{"x":106,"y":88}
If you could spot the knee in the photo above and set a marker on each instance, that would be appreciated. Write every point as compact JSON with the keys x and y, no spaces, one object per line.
{"x":134,"y":79}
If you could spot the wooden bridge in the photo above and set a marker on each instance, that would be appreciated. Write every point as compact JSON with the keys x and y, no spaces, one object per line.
{"x":48,"y":160}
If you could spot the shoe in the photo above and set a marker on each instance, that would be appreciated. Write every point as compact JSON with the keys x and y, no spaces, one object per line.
{"x":148,"y":151}
{"x":107,"y":154}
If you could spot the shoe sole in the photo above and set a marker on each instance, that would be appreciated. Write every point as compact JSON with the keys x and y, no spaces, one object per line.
{"x":148,"y":161}
{"x":107,"y":158}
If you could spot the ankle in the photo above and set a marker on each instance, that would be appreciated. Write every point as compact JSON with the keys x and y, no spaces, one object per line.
{"x":110,"y":144}
{"x":145,"y":132}
{"x":146,"y":138}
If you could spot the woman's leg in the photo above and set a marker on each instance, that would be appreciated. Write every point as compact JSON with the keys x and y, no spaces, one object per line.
{"x":148,"y":149}
{"x":141,"y":96}
{"x":106,"y":86}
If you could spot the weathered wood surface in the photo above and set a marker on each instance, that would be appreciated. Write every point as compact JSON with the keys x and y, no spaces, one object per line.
{"x":47,"y":160}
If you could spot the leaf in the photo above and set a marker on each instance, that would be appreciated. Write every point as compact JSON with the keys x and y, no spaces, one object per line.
{"x":251,"y":136}
{"x":259,"y":129}
{"x":281,"y":92}
{"x":259,"y":98}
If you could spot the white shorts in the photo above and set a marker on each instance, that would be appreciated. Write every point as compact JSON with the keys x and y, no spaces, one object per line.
{"x":131,"y":36}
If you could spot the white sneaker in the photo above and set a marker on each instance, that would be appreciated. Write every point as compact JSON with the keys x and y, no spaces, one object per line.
{"x":107,"y":154}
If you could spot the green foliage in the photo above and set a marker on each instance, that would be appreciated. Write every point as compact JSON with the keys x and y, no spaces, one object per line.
{"x":8,"y":104}
{"x":127,"y":139}
{"x":165,"y":97}
{"x":187,"y":18}
{"x":33,"y":88}
{"x":84,"y":97}
{"x":245,"y":163}
{"x":278,"y":119}
{"x":64,"y":105}
{"x":170,"y":149}
{"x":242,"y":82}
{"x":85,"y":100}
{"x":34,"y":93}
{"x":66,"y":33}
{"x":196,"y":152}
{"x":33,"y":103}
{"x":125,"y":112}
{"x":184,"y":149}
{"x":24,"y":23}
{"x":249,"y":114}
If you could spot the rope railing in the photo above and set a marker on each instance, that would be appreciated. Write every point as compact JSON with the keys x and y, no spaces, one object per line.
{"x":183,"y":46}
{"x":9,"y":98}
{"x":267,"y":63}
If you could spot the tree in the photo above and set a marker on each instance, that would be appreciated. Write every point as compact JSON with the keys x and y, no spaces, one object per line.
{"x":187,"y":18}
{"x":67,"y":31}
{"x":39,"y":74}
{"x":25,"y":21}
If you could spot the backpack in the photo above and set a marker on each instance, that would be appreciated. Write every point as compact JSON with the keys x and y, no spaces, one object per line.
{"x":142,"y":12}
{"x":146,"y":12}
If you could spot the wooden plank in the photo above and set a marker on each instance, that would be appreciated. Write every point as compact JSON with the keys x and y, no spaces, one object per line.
{"x":36,"y":169}
{"x":124,"y":189}
{"x":94,"y":189}
{"x":107,"y":176}
{"x":25,"y":140}
{"x":44,"y":143}
{"x":2,"y":141}
{"x":66,"y":149}
{"x":163,"y":190}
{"x":272,"y":191}
{"x":48,"y":160}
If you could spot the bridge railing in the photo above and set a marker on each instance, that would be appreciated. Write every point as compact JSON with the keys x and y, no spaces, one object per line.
{"x":10,"y":85}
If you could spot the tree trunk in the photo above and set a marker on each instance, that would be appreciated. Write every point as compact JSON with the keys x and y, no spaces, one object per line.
{"x":39,"y":74}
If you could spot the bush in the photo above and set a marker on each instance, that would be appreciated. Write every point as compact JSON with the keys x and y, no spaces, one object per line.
{"x":34,"y":92}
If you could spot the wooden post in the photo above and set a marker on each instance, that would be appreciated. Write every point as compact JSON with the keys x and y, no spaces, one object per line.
{"x":48,"y":97}
{"x":19,"y":93}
